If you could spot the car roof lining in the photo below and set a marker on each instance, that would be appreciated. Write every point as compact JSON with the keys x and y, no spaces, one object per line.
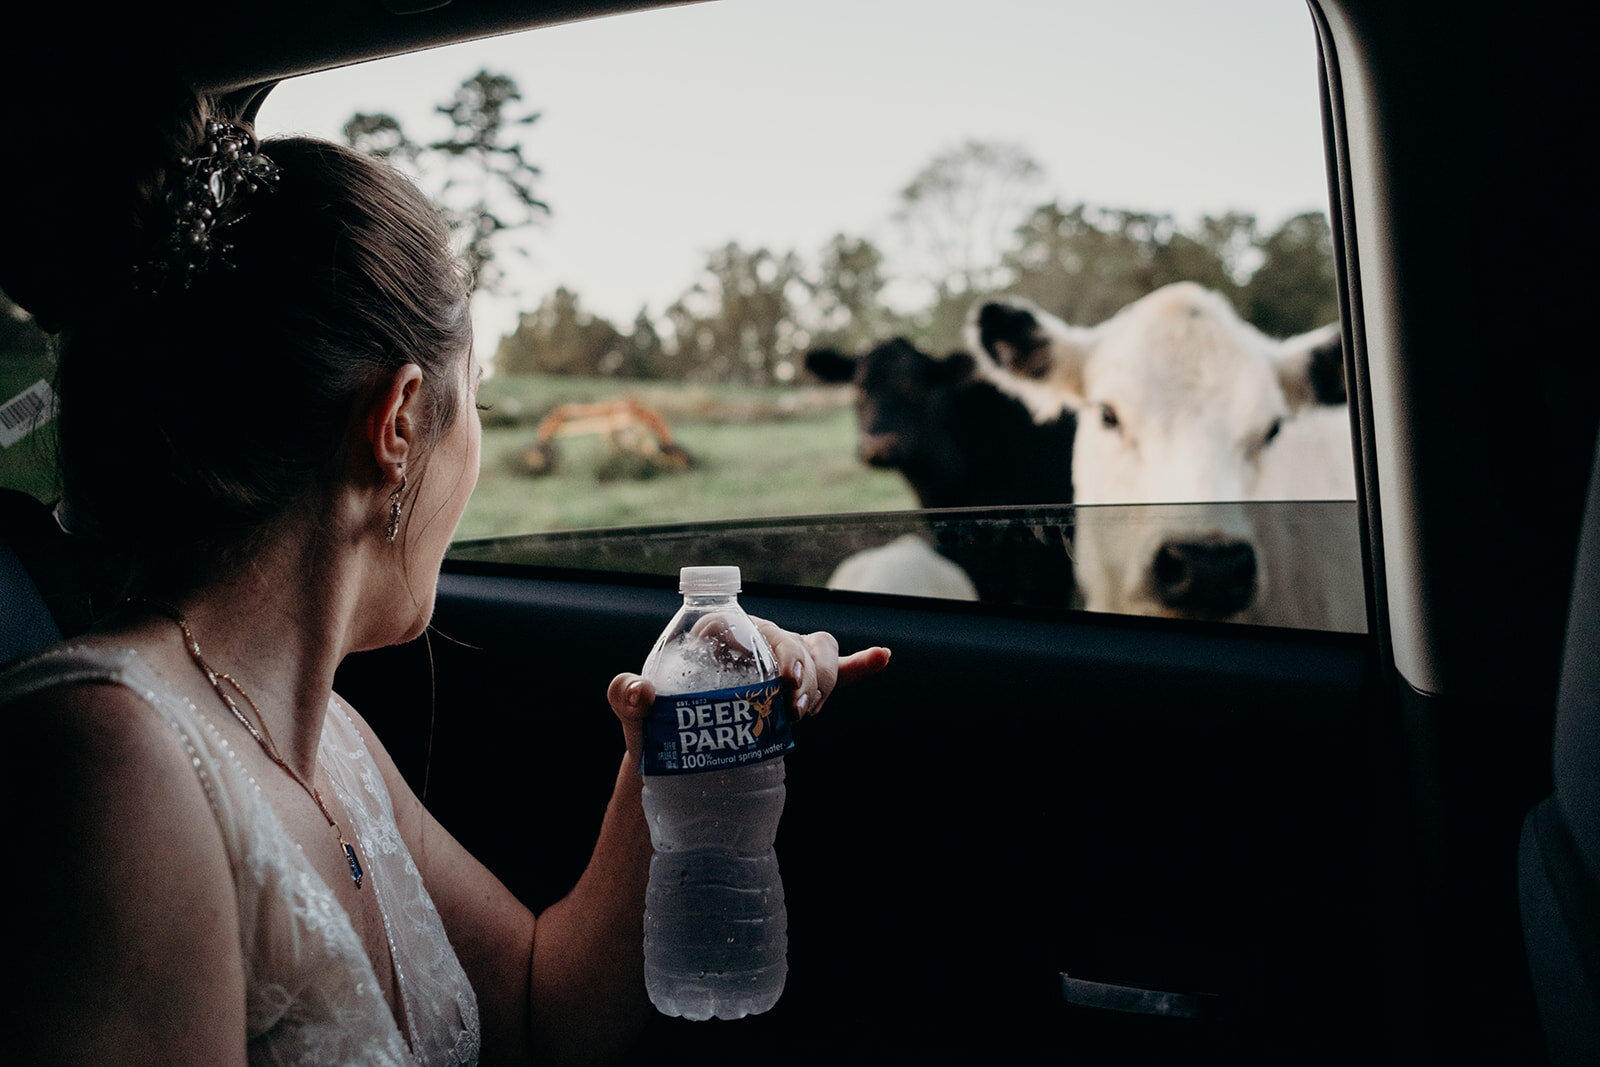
{"x":286,"y":39}
{"x":351,"y":33}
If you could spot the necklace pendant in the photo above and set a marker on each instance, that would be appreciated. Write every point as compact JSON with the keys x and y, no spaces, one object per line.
{"x":355,"y":864}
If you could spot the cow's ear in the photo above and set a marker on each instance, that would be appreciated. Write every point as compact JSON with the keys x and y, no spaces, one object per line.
{"x":1031,"y":347}
{"x":831,"y":365}
{"x":1311,"y":368}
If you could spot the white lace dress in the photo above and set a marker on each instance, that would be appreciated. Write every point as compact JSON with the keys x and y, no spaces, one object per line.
{"x":311,"y":994}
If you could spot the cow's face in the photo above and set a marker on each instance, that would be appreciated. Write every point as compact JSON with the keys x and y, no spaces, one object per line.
{"x":1178,"y":402}
{"x":897,"y":387}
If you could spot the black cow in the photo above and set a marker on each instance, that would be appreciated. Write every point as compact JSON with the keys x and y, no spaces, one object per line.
{"x":958,"y":439}
{"x":960,"y":442}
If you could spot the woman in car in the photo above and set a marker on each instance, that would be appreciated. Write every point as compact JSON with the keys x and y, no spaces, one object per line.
{"x":271,"y":423}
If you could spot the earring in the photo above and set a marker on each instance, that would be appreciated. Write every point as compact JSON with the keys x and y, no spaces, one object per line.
{"x":392,"y":531}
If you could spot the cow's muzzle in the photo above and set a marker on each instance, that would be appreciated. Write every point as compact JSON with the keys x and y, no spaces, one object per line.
{"x":879,"y":449}
{"x":1207,"y":577}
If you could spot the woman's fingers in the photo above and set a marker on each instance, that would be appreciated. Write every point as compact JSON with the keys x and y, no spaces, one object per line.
{"x":798,"y":667}
{"x":721,"y":626}
{"x":812,"y":667}
{"x":863,"y":664}
{"x":823,"y":649}
{"x":809,"y":664}
{"x":631,"y":697}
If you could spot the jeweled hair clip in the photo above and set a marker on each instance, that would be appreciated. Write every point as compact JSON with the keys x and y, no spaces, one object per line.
{"x":206,"y":195}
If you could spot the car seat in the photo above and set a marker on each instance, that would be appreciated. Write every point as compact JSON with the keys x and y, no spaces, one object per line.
{"x":1558,"y":870}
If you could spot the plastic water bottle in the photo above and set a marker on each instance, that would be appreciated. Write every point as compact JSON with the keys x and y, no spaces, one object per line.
{"x":715,"y":928}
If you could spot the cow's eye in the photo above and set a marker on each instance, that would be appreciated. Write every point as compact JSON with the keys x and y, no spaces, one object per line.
{"x":1272,"y":432}
{"x":1108,"y":417}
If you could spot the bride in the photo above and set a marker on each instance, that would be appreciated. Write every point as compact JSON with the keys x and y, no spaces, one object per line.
{"x":271,"y":423}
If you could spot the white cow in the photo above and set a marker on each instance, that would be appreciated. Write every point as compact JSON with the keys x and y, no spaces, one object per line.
{"x":1179,"y":402}
{"x":908,"y":565}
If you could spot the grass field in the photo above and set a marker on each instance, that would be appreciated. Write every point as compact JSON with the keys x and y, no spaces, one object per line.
{"x":758,"y":452}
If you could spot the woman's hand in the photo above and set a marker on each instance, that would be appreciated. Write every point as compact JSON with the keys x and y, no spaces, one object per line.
{"x":588,"y":954}
{"x":809,"y":664}
{"x":811,"y":667}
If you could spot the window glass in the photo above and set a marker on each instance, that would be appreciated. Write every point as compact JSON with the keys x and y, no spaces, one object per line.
{"x":27,"y":405}
{"x":782,"y":281}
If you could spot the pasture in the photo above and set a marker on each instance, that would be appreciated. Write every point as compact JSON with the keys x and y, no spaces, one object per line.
{"x":759,"y":452}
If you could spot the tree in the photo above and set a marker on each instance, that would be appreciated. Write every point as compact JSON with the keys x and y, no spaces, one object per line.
{"x":846,"y":310}
{"x":477,"y":176}
{"x":643,"y":354}
{"x":1219,"y":253}
{"x":1293,"y":290}
{"x":380,"y":136}
{"x":958,"y":213}
{"x":560,"y":337}
{"x":1086,"y":263}
{"x":737,"y":323}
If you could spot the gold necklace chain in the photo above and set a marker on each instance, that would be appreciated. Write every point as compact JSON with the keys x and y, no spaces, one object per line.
{"x":261,"y":734}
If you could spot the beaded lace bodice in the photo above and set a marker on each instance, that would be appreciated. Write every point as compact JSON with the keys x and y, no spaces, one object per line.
{"x":312,"y":996}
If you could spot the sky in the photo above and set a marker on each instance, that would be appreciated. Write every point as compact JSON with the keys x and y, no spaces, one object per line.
{"x":779,"y":123}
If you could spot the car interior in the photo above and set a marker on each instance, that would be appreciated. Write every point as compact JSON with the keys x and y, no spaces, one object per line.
{"x":1047,"y":835}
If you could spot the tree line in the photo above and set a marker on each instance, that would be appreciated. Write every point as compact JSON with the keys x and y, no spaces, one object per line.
{"x":973,"y":218}
{"x":752,"y":313}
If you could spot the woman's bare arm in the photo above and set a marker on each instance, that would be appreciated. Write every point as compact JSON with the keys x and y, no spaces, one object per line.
{"x":568,"y":987}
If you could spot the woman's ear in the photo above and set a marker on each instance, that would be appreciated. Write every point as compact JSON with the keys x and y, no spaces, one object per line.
{"x":392,"y":419}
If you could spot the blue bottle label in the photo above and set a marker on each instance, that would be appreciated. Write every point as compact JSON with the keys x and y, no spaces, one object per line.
{"x":716,"y":731}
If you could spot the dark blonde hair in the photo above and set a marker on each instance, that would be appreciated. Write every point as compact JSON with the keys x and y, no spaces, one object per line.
{"x":194,"y":416}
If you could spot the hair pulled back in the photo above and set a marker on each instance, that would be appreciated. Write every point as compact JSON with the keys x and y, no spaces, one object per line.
{"x":194,"y":416}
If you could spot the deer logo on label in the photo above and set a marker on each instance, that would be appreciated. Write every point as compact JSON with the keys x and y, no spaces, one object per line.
{"x":762,"y":706}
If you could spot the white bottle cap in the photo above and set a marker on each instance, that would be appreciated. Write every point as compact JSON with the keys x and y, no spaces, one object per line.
{"x":708,"y":581}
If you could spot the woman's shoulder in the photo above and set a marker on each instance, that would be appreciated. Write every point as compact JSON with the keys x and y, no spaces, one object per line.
{"x":95,"y":715}
{"x":90,"y":706}
{"x":104,"y":663}
{"x":128,"y":885}
{"x":81,"y":683}
{"x":85,"y":734}
{"x":67,"y":660}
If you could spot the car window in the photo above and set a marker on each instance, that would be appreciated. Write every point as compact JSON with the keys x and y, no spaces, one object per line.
{"x":27,"y":405}
{"x":1017,"y":303}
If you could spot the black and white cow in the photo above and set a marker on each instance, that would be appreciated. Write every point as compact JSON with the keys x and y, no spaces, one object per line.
{"x":1179,"y":402}
{"x":959,"y":441}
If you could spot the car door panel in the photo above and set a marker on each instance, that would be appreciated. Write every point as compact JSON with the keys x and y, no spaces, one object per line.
{"x":1174,"y":807}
